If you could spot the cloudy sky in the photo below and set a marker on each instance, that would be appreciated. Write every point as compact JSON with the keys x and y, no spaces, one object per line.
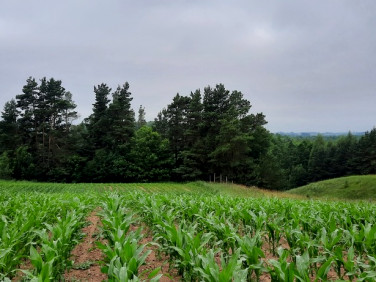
{"x":307,"y":65}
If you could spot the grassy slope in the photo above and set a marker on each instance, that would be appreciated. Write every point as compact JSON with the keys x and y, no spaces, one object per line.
{"x":349,"y":188}
{"x":191,"y":187}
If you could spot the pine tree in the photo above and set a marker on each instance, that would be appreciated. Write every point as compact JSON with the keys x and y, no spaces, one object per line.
{"x":121,"y":118}
{"x":317,"y":160}
{"x":141,"y":117}
{"x":193,"y":152}
{"x":98,"y":122}
{"x":26,"y":103}
{"x":9,"y":139}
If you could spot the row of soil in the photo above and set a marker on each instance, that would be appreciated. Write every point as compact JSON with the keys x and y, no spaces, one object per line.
{"x":87,"y":257}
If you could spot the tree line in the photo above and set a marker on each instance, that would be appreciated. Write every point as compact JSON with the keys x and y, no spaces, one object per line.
{"x":294,"y":161}
{"x":194,"y":137}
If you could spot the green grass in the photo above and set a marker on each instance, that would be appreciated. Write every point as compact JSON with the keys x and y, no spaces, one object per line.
{"x":347,"y":188}
{"x":190,"y":187}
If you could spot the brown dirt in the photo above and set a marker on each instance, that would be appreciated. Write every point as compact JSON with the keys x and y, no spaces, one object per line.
{"x":85,"y":252}
{"x":25,"y":265}
{"x":142,"y":189}
{"x":155,"y":259}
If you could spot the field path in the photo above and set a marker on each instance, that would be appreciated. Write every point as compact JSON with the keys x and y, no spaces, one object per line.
{"x":87,"y":253}
{"x":154,"y":260}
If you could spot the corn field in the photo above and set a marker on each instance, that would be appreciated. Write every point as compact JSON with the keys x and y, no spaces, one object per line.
{"x":205,"y":235}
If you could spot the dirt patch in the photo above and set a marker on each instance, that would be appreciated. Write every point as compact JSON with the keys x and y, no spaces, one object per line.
{"x":25,"y":265}
{"x":155,"y":259}
{"x":143,"y":189}
{"x":86,"y":255}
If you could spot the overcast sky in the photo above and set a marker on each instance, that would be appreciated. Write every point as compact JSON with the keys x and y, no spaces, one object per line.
{"x":307,"y":65}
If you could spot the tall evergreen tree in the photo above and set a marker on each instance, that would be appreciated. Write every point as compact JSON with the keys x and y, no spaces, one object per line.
{"x":43,"y":123}
{"x":111,"y":128}
{"x":121,"y":117}
{"x":215,"y":134}
{"x":141,"y":117}
{"x":26,"y":103}
{"x":365,"y":158}
{"x":56,"y":107}
{"x":317,"y":159}
{"x":9,"y":139}
{"x":176,"y":116}
{"x":98,"y":122}
{"x":235,"y":139}
{"x":193,"y":161}
{"x":161,"y":124}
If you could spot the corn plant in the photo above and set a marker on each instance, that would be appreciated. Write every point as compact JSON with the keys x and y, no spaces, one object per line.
{"x":123,"y":254}
{"x":281,"y":270}
{"x":128,"y":255}
{"x":223,"y":230}
{"x":349,"y":264}
{"x":368,"y":270}
{"x":274,"y":233}
{"x":329,"y":241}
{"x":28,"y":215}
{"x":57,"y":242}
{"x":209,"y":270}
{"x":322,"y":272}
{"x":188,"y":256}
{"x":118,"y":271}
{"x":303,"y":267}
{"x":250,"y":249}
{"x":44,"y":266}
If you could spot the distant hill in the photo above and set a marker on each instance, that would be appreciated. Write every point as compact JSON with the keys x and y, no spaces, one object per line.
{"x":312,"y":134}
{"x":350,"y":187}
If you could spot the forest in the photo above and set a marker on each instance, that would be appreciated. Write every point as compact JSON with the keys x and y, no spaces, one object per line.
{"x":206,"y":135}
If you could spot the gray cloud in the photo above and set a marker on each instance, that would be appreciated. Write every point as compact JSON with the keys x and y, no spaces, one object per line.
{"x":307,"y":65}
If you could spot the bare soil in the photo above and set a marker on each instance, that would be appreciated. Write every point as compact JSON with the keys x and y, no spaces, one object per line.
{"x":25,"y":265}
{"x":86,"y":252}
{"x":155,"y":259}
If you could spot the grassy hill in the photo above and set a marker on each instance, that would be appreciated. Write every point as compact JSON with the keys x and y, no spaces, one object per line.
{"x":349,"y":188}
{"x":190,"y":187}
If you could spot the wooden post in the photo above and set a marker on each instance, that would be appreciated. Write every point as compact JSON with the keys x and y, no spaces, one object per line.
{"x":220,"y":178}
{"x":214,"y":177}
{"x":226,"y":179}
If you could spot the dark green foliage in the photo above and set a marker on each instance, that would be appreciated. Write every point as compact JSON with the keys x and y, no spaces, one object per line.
{"x":150,"y":156}
{"x":141,"y":117}
{"x":366,"y":153}
{"x":194,"y":138}
{"x":26,"y":103}
{"x":121,"y":118}
{"x":9,"y":138}
{"x":214,"y":134}
{"x":317,"y":160}
{"x":193,"y":154}
{"x":35,"y":128}
{"x":6,"y":166}
{"x":110,"y":130}
{"x":300,"y":161}
{"x":23,"y":166}
{"x":98,"y":121}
